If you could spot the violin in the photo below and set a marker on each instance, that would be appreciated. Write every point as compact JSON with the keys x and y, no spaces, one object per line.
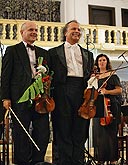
{"x":88,"y":109}
{"x":44,"y":103}
{"x":108,"y":116}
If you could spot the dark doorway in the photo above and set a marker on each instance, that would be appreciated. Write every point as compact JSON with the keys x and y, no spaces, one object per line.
{"x":124,"y":13}
{"x":100,"y":15}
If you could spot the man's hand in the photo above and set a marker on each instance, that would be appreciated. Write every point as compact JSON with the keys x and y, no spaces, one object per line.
{"x":6,"y":103}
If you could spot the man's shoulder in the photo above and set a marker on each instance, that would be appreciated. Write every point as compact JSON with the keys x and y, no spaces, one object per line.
{"x":84,"y":49}
{"x":41,"y":48}
{"x":81,"y":47}
{"x":57,"y":47}
{"x":12,"y":46}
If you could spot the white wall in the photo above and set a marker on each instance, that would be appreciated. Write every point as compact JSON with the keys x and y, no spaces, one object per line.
{"x":74,"y":9}
{"x":78,"y":9}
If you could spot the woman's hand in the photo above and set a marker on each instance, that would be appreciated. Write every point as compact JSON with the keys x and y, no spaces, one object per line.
{"x":103,"y":91}
{"x":116,"y":91}
{"x":95,"y":75}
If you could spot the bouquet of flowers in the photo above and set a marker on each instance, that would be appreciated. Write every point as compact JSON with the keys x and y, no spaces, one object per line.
{"x":39,"y":90}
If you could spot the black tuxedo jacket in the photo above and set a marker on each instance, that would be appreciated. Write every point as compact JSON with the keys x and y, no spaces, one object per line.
{"x":57,"y":63}
{"x":16,"y":71}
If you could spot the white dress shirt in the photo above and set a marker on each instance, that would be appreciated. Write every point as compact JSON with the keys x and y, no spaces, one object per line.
{"x":74,"y":60}
{"x":32,"y":57}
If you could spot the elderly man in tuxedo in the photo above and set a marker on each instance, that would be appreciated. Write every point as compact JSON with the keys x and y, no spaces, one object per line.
{"x":18,"y":70}
{"x":72,"y":66}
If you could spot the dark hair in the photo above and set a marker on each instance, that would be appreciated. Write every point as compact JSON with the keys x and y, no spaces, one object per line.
{"x":66,"y":27}
{"x":108,"y":66}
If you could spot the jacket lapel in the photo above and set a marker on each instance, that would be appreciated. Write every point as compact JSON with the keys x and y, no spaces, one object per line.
{"x":61,"y":54}
{"x":85,"y":60}
{"x":24,"y":58}
{"x":37,"y":53}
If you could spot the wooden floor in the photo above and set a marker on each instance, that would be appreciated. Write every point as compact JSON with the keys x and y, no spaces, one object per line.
{"x":48,"y":157}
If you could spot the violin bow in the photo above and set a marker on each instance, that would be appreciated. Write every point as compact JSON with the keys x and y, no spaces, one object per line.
{"x":24,"y":128}
{"x":111,"y":73}
{"x":122,"y":55}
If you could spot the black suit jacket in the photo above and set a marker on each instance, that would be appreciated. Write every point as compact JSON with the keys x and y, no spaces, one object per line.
{"x":16,"y":71}
{"x":57,"y":63}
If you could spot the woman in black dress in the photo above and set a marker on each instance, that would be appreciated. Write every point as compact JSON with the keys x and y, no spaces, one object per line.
{"x":105,"y":137}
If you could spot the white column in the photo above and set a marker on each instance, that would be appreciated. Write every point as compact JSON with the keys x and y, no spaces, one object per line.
{"x":67,"y":10}
{"x":74,"y":9}
{"x":118,"y":16}
{"x":81,"y":11}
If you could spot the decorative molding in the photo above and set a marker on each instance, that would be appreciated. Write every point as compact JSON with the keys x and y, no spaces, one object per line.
{"x":38,"y":10}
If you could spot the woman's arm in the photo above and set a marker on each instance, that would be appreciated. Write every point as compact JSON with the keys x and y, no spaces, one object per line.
{"x":116,"y":91}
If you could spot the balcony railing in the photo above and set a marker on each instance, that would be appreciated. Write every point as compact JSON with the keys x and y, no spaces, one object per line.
{"x":50,"y":34}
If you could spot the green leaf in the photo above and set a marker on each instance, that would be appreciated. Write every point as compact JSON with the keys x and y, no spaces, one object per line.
{"x":51,"y":74}
{"x":25,"y":96}
{"x":32,"y":92}
{"x":40,"y":60}
{"x":36,"y":88}
{"x":40,"y":84}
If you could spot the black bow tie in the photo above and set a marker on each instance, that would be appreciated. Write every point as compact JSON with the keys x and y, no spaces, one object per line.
{"x":31,"y":47}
